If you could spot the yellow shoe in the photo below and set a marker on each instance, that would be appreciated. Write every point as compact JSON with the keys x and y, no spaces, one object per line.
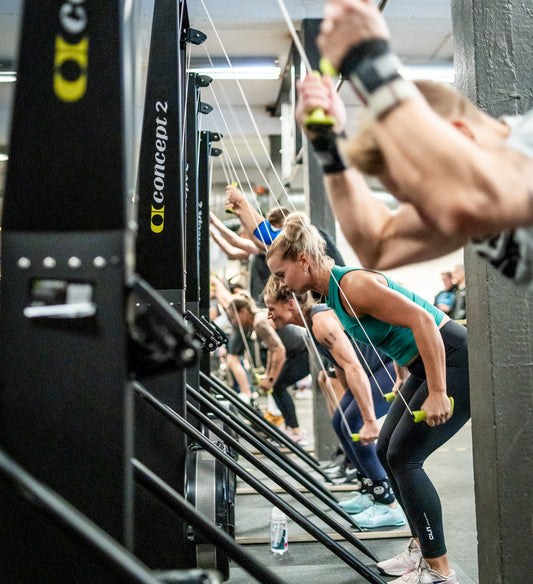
{"x":276,"y":420}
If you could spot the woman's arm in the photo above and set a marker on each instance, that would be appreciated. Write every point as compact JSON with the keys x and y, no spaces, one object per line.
{"x":231,"y":237}
{"x":247,"y":215}
{"x":381,"y":238}
{"x":233,"y":253}
{"x":368,"y":293}
{"x":328,"y":332}
{"x":490,"y":189}
{"x":275,"y":350}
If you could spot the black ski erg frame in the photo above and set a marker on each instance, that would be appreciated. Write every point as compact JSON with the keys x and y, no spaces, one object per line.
{"x":67,"y":304}
{"x":213,"y":405}
{"x":276,"y":500}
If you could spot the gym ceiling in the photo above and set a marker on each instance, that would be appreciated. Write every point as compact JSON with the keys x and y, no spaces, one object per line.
{"x":421,"y":32}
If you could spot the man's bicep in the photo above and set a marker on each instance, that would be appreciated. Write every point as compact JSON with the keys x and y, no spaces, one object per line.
{"x":267,"y":334}
{"x":408,"y":239}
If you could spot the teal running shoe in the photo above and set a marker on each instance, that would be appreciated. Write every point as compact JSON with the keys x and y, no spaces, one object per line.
{"x":359,"y":503}
{"x":379,"y":515}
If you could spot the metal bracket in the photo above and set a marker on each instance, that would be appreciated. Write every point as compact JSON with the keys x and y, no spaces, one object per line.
{"x":203,"y":80}
{"x":205,"y":108}
{"x":194,"y":36}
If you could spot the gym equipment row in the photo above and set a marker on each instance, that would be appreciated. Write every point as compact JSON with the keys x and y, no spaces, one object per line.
{"x":114,"y":441}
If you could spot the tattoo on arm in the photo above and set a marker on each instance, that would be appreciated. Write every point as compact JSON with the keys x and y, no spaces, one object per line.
{"x":329,"y":340}
{"x":267,"y":335}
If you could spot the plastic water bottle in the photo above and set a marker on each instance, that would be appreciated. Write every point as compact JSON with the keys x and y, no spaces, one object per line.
{"x":279,"y":535}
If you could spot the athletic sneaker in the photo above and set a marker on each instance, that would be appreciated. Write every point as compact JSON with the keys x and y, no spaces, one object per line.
{"x":276,"y":420}
{"x":350,"y":477}
{"x":300,"y":438}
{"x":359,"y":503}
{"x":337,"y":471}
{"x":334,"y":468}
{"x":336,"y":459}
{"x":379,"y":515}
{"x":423,"y":574}
{"x":402,"y":563}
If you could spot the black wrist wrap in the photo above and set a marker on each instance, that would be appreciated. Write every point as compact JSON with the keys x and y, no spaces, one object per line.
{"x":325,"y":147}
{"x":372,"y":63}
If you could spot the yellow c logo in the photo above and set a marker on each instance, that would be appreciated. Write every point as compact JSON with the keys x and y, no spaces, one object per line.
{"x":65,"y":89}
{"x":159,"y":216}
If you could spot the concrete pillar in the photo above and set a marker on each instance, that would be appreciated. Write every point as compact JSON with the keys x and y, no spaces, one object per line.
{"x":320,"y":213}
{"x":492,"y":40}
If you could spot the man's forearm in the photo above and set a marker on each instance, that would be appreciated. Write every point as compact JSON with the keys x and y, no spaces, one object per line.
{"x":275,"y":361}
{"x":239,"y":373}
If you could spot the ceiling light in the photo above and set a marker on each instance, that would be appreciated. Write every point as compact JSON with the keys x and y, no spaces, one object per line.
{"x":240,"y":72}
{"x":4,"y":157}
{"x":257,"y":67}
{"x":8,"y":76}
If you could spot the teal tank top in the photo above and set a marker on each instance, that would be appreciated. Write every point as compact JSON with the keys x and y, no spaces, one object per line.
{"x":395,"y":341}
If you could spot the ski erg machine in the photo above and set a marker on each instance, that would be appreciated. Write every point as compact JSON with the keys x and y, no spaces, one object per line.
{"x":169,"y":241}
{"x":64,"y":343}
{"x":69,"y":330}
{"x":93,"y":393}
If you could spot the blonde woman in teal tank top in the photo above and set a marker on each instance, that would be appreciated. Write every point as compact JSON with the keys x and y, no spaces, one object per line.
{"x":377,"y":311}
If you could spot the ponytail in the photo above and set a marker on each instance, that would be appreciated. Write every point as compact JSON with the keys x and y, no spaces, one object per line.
{"x":299,"y":236}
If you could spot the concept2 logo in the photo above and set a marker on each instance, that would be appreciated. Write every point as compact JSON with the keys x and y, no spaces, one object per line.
{"x":71,"y":59}
{"x":157,"y":218}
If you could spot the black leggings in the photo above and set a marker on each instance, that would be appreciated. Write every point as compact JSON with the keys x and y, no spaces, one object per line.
{"x":403,"y":446}
{"x":295,"y":368}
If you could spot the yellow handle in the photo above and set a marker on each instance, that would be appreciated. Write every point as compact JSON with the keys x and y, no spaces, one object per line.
{"x":420,"y":415}
{"x":318,"y":121}
{"x":227,"y":209}
{"x":389,"y":396}
{"x":327,"y":68}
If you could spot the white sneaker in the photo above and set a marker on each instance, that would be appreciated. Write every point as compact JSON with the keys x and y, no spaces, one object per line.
{"x":300,"y":438}
{"x":423,"y":574}
{"x":403,"y":562}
